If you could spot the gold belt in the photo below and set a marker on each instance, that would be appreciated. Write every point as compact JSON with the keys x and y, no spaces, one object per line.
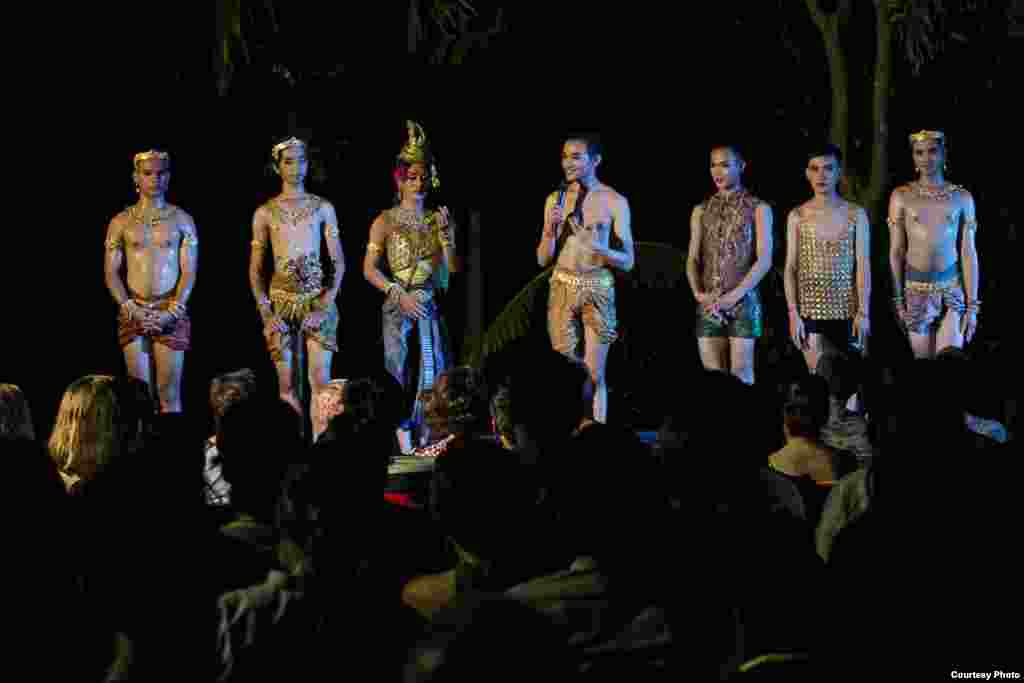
{"x":919,"y":287}
{"x":602,"y":279}
{"x":293,"y":305}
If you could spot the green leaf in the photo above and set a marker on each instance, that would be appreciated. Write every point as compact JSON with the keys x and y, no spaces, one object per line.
{"x":657,"y":265}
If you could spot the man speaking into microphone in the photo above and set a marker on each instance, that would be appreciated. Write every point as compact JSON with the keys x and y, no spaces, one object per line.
{"x":579,"y":220}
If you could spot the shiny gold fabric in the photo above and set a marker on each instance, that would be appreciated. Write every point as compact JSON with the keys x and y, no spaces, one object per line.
{"x":826,"y":272}
{"x":579,"y":301}
{"x":292,"y":306}
{"x":411,"y":252}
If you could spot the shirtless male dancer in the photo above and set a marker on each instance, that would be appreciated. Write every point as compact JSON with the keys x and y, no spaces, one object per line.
{"x":935,"y":293}
{"x":300,"y":307}
{"x":581,"y":304}
{"x":156,"y":245}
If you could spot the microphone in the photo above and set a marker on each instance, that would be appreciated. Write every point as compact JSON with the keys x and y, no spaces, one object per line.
{"x":562,"y":188}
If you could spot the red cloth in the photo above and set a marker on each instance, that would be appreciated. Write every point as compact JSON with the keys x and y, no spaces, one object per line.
{"x":175,"y":336}
{"x":403,"y":499}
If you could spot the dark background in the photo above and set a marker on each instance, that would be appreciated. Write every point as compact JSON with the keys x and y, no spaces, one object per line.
{"x":660,"y":86}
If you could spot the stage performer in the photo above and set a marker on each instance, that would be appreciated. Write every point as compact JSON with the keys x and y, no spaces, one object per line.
{"x":300,"y":309}
{"x":935,"y":297}
{"x":579,"y":221}
{"x":420,"y":246}
{"x":730,"y":252}
{"x":151,"y":257}
{"x":828,"y":267}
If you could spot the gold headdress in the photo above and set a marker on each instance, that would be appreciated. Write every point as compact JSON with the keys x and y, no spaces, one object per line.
{"x":281,"y":146}
{"x":150,"y":154}
{"x":924,"y":135}
{"x":416,"y":151}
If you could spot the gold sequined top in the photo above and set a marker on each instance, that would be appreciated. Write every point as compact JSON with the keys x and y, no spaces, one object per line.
{"x":728,"y":249}
{"x":411,"y":251}
{"x":826,"y":271}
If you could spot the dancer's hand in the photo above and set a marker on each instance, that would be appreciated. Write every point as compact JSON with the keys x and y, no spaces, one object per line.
{"x":899,"y":309}
{"x":968,"y":324}
{"x":158,"y":321}
{"x":797,"y":332}
{"x":861,"y":330}
{"x":598,"y":255}
{"x":314,"y":320}
{"x":323,"y":300}
{"x":133,"y":310}
{"x":556,"y":216}
{"x":412,"y":307}
{"x":728,"y":301}
{"x":710,"y":307}
{"x":148,"y":317}
{"x":445,"y":226}
{"x":274,"y":323}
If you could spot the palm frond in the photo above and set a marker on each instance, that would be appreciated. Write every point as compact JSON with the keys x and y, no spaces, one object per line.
{"x":918,"y":25}
{"x":657,"y":265}
{"x":512,"y":323}
{"x":231,"y":37}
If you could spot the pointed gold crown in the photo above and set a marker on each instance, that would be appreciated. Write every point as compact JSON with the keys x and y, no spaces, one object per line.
{"x":416,"y":151}
{"x":281,"y":146}
{"x":150,"y":154}
{"x":923,"y":135}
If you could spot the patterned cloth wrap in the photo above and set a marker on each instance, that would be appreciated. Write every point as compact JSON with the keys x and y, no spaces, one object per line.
{"x":297,"y":283}
{"x":176,"y":335}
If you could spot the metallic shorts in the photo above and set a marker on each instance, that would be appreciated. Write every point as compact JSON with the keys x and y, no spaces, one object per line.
{"x":743,"y":321}
{"x":579,"y":301}
{"x":929,"y":296}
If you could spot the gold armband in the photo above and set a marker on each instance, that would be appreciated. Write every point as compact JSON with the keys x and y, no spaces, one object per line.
{"x":189,"y":240}
{"x":258,"y":244}
{"x":332,"y":231}
{"x":112,"y":244}
{"x":891,"y":222}
{"x":375,"y":248}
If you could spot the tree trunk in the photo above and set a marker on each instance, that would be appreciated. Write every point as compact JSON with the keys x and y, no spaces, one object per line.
{"x":874,"y":198}
{"x":839,"y":79}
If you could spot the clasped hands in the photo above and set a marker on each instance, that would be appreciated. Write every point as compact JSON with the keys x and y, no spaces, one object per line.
{"x":153,"y":319}
{"x":718,"y":306}
{"x":412,"y":307}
